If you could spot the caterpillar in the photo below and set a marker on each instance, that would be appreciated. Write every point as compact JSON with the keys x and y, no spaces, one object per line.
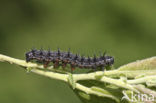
{"x":64,"y":58}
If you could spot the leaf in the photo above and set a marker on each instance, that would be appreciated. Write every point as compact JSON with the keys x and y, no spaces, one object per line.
{"x":84,"y":95}
{"x":88,"y":98}
{"x":29,"y":69}
{"x":140,"y":67}
{"x":105,"y":92}
{"x":110,"y":93}
{"x":151,"y":83}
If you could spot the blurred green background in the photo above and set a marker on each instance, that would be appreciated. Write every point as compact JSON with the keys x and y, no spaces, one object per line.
{"x":125,"y":29}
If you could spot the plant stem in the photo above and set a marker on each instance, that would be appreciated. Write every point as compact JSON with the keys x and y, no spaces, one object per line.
{"x":93,"y":76}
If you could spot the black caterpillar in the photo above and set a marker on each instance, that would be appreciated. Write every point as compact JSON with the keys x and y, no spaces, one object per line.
{"x":61,"y":58}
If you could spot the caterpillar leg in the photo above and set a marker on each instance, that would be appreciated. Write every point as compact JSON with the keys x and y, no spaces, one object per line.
{"x":103,"y":69}
{"x":72,"y":69}
{"x":45,"y":65}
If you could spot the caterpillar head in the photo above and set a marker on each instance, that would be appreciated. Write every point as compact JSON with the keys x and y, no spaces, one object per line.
{"x":109,"y":60}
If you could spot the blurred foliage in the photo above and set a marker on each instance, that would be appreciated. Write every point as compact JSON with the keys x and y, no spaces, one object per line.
{"x":125,"y":29}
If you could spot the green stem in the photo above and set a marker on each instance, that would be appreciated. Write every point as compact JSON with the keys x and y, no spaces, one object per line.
{"x":50,"y":74}
{"x":142,"y":80}
{"x":91,"y":76}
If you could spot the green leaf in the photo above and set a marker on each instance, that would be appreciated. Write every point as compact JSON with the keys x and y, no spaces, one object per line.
{"x":151,"y":83}
{"x":140,"y":67}
{"x":84,"y":95}
{"x":110,"y":93}
{"x":105,"y":92}
{"x":89,"y":98}
{"x":29,"y":69}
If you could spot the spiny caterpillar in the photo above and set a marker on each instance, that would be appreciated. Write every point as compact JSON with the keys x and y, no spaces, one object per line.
{"x":62,"y":58}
